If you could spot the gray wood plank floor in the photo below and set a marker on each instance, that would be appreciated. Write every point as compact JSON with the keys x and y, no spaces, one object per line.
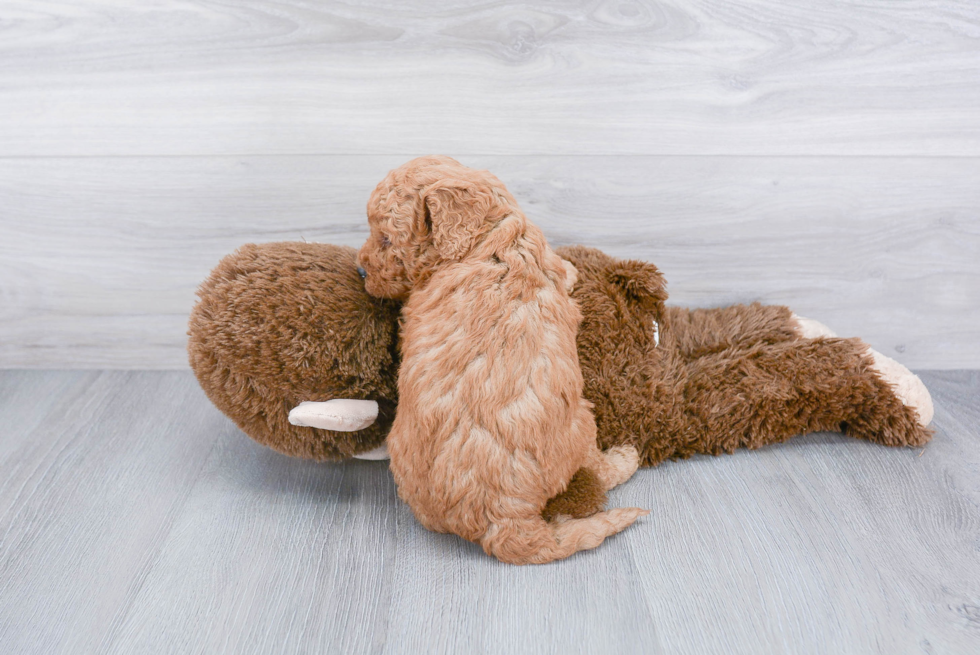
{"x":135,"y":518}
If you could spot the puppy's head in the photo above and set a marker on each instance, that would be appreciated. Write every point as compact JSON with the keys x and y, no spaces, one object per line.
{"x":427,"y":212}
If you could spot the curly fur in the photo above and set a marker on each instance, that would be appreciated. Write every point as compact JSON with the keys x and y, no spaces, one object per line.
{"x":491,"y":422}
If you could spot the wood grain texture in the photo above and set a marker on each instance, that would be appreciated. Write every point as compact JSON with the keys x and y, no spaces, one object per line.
{"x":704,"y":77}
{"x":90,"y":481}
{"x":134,"y":518}
{"x":807,"y":545}
{"x":99,"y":259}
{"x":823,"y":155}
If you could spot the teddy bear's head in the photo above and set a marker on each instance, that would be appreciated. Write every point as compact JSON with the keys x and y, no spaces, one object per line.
{"x":282,"y":323}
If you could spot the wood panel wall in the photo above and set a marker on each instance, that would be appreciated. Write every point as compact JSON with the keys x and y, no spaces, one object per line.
{"x":825,"y":156}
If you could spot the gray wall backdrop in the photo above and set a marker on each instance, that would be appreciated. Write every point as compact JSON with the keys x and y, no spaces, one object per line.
{"x":821,"y":155}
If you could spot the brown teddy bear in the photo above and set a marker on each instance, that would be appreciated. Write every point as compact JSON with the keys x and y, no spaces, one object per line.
{"x":286,"y":342}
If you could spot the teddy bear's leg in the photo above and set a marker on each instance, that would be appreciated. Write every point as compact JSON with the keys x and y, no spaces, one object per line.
{"x":692,"y":333}
{"x":770,"y":392}
{"x":811,"y":329}
{"x":906,"y":385}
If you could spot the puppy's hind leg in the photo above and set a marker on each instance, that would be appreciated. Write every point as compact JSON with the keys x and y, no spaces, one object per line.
{"x":533,"y":541}
{"x":613,"y":466}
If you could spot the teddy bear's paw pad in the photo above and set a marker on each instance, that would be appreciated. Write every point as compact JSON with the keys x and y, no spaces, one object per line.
{"x":906,"y":384}
{"x":381,"y":452}
{"x":811,"y":329}
{"x":620,"y":464}
{"x":339,"y":414}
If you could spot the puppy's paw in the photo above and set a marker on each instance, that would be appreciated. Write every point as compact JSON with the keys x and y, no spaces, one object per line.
{"x":571,"y":275}
{"x":621,"y":463}
{"x":810,"y":329}
{"x":906,"y":384}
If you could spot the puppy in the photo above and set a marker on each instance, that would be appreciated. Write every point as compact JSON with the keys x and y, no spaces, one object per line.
{"x":491,"y":421}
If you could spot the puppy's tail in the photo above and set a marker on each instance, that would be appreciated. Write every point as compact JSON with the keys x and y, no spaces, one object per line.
{"x":534,"y":541}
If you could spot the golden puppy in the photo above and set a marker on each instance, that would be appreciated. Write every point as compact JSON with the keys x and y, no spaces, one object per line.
{"x":491,"y":421}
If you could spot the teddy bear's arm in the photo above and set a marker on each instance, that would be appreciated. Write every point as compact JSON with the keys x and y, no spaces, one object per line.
{"x":339,"y":414}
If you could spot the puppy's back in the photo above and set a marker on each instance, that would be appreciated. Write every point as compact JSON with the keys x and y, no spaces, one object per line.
{"x":489,"y":390}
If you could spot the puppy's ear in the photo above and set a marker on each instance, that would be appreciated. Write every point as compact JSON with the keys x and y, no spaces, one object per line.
{"x":641,"y":281}
{"x":454,"y":213}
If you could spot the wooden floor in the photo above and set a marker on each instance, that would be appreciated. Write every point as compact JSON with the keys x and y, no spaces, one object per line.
{"x":135,"y":518}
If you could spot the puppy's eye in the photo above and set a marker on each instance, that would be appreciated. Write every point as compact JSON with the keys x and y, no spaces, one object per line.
{"x":385,"y":241}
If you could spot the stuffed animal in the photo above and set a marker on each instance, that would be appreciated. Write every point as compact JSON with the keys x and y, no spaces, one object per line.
{"x":285,"y":341}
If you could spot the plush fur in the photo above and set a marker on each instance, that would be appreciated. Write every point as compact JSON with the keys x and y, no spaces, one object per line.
{"x":491,"y":422}
{"x":282,"y":323}
{"x":584,"y":496}
{"x":720,"y":379}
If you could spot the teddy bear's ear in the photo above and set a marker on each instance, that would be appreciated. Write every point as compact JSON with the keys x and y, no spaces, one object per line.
{"x":455,"y":211}
{"x":641,"y":281}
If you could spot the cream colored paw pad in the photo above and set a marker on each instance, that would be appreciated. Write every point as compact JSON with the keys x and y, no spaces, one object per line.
{"x":811,"y":329}
{"x":339,"y":414}
{"x":907,"y":385}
